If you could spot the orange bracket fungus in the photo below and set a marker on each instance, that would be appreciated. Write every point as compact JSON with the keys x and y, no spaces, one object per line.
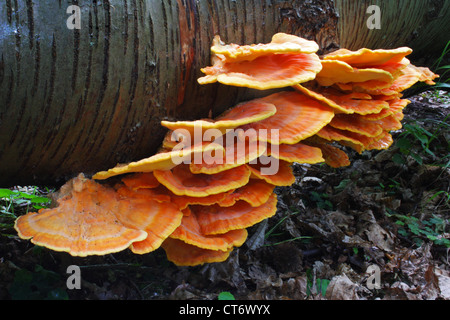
{"x":241,"y":114}
{"x":184,"y":254}
{"x":366,"y":57}
{"x":335,"y":71}
{"x":218,"y":220}
{"x":181,"y":181}
{"x":214,"y":178}
{"x":140,"y":180}
{"x":236,"y":154}
{"x":285,"y":61}
{"x":88,"y":221}
{"x":298,"y":117}
{"x":161,"y":161}
{"x":299,"y":152}
{"x":276,"y":172}
{"x":190,"y":232}
{"x":256,"y":192}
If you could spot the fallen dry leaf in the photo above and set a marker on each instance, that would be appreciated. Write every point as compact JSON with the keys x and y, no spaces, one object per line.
{"x":342,"y":288}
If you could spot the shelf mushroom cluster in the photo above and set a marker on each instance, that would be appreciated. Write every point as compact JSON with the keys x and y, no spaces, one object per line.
{"x":212,"y":179}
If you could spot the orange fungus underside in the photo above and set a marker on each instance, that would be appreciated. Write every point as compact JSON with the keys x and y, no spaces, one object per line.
{"x":184,"y":254}
{"x":85,"y":222}
{"x":298,"y":117}
{"x":181,"y":181}
{"x":218,"y":220}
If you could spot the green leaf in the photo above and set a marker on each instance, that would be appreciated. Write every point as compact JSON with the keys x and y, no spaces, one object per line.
{"x":417,"y":158}
{"x":430,"y":152}
{"x":322,"y":285}
{"x":5,"y":193}
{"x":341,"y":186}
{"x":403,"y":232}
{"x":398,"y":159}
{"x":39,"y":200}
{"x":24,"y":195}
{"x":442,"y":85}
{"x":414,"y":228}
{"x":403,"y":143}
{"x":436,"y":221}
{"x":443,"y":242}
{"x":225,"y":295}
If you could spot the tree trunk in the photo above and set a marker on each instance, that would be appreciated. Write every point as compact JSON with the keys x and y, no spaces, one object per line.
{"x":82,"y":100}
{"x":420,"y":24}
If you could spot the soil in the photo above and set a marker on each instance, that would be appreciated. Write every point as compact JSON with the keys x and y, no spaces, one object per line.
{"x":377,"y":229}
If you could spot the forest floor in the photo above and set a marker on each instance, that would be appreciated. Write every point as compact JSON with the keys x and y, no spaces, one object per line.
{"x":377,"y":229}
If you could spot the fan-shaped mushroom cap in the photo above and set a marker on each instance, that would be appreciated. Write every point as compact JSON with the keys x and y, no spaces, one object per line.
{"x":87,"y":221}
{"x":176,"y":138}
{"x":218,"y":220}
{"x":366,"y":57}
{"x":298,"y":117}
{"x":256,"y":192}
{"x":399,"y":116}
{"x":321,"y":98}
{"x":273,"y":171}
{"x":236,"y":154}
{"x":140,"y":180}
{"x":389,"y":123}
{"x":241,"y":114}
{"x":265,"y":72}
{"x":395,"y":106}
{"x":425,"y":74}
{"x":383,"y":141}
{"x":158,"y":219}
{"x":160,"y":161}
{"x":408,"y":77}
{"x":299,"y":152}
{"x":183,"y":254}
{"x":355,"y":102}
{"x":357,"y":141}
{"x":189,"y":231}
{"x":381,"y":86}
{"x":306,"y":46}
{"x":181,"y":181}
{"x":159,"y":193}
{"x":162,"y":194}
{"x":334,"y":157}
{"x":335,"y":71}
{"x":355,"y":123}
{"x":281,"y":43}
{"x":394,"y":68}
{"x":184,"y":201}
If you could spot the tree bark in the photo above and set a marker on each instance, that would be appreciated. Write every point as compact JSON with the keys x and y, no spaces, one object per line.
{"x":420,"y":24}
{"x":82,"y":100}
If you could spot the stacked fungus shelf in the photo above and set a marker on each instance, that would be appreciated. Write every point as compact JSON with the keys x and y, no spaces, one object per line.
{"x":214,"y":178}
